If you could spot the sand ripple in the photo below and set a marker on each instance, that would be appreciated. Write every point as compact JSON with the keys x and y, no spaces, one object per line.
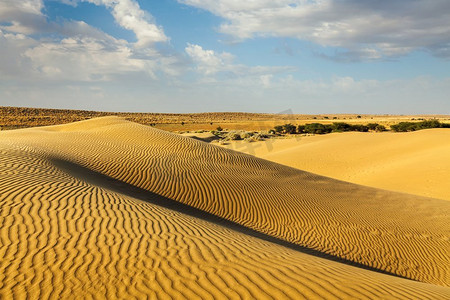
{"x":68,"y":231}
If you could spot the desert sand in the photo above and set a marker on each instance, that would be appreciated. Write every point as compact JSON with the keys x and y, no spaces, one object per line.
{"x":24,"y":117}
{"x":108,"y":208}
{"x":412,"y":162}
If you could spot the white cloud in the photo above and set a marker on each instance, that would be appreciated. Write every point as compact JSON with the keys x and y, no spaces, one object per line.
{"x":266,"y":79}
{"x":11,"y":8}
{"x":209,"y":62}
{"x":368,"y":29}
{"x":129,"y":15}
{"x":85,"y":59}
{"x":12,"y":46}
{"x":75,"y":51}
{"x":22,"y":16}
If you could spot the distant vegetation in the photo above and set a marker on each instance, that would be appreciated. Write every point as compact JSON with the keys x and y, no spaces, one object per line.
{"x":413,"y":126}
{"x":222,"y":122}
{"x":238,"y":135}
{"x":318,"y":128}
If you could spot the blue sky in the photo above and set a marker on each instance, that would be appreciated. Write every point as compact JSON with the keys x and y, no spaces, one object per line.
{"x":324,"y":56}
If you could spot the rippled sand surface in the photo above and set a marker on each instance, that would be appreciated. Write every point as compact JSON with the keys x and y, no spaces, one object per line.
{"x":107,"y":208}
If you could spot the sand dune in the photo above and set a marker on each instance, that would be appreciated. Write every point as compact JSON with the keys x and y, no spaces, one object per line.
{"x":413,"y":162}
{"x":95,"y":209}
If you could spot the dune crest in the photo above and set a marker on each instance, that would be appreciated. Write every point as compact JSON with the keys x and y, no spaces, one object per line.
{"x":64,"y":231}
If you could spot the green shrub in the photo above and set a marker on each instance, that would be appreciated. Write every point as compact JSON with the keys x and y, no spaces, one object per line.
{"x":380,"y":128}
{"x":317,"y":128}
{"x":289,"y":128}
{"x":413,"y":126}
{"x":360,"y":128}
{"x":372,"y":126}
{"x":278,"y":129}
{"x":301,"y":129}
{"x":341,"y":126}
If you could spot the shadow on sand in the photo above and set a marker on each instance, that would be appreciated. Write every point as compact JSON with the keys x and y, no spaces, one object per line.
{"x":114,"y":185}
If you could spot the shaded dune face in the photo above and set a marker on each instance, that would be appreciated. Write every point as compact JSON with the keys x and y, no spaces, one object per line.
{"x":71,"y":222}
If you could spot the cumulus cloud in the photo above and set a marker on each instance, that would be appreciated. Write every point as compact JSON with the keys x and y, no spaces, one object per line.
{"x":209,"y":62}
{"x":76,"y":58}
{"x":26,"y":17}
{"x":74,"y":50}
{"x":129,"y":15}
{"x":85,"y":59}
{"x":22,"y":16}
{"x":12,"y":64}
{"x":367,"y":29}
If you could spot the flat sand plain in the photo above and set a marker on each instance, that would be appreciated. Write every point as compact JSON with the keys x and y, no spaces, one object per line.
{"x":409,"y":162}
{"x":107,"y":208}
{"x":24,"y":117}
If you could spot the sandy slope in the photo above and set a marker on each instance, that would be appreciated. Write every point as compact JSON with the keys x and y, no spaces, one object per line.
{"x":66,"y":229}
{"x":414,"y":162}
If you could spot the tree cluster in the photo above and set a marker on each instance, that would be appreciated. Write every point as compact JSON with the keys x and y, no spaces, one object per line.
{"x":317,"y":128}
{"x":413,"y":126}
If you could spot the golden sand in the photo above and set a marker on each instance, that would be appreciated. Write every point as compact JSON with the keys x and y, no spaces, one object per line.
{"x":413,"y":162}
{"x":95,"y":209}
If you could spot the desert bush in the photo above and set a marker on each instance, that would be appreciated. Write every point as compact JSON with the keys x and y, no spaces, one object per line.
{"x":413,"y":126}
{"x":219,"y":128}
{"x":286,"y":128}
{"x":372,"y":126}
{"x":233,"y":136}
{"x":380,"y":128}
{"x":260,"y":136}
{"x":404,"y":127}
{"x":278,"y":128}
{"x":341,"y":126}
{"x":360,"y":128}
{"x":245,"y":134}
{"x":289,"y":128}
{"x":429,"y":124}
{"x":318,"y":128}
{"x":256,"y":137}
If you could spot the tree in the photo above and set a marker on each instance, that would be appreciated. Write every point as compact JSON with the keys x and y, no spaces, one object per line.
{"x":278,"y":129}
{"x":289,"y":128}
{"x":361,"y":128}
{"x":301,"y":129}
{"x":413,"y":126}
{"x":219,"y":128}
{"x":341,"y":126}
{"x":318,"y":128}
{"x":372,"y":126}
